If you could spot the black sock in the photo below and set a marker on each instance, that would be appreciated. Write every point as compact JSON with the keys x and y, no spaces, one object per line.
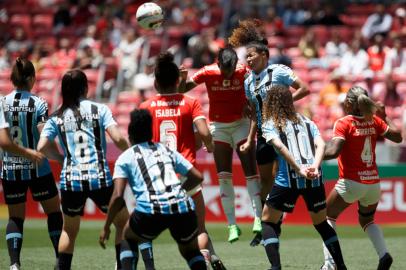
{"x":195,"y":260}
{"x":14,"y":237}
{"x":129,"y":254}
{"x":271,"y":243}
{"x":55,"y":223}
{"x":118,"y":251}
{"x":64,"y":261}
{"x":330,"y":239}
{"x":278,"y":228}
{"x":147,"y":255}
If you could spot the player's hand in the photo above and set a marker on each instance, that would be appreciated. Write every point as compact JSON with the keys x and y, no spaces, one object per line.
{"x":35,"y":156}
{"x":210,"y":147}
{"x":104,"y":236}
{"x":380,"y":112}
{"x":183,"y":73}
{"x":312,"y":173}
{"x":245,"y":147}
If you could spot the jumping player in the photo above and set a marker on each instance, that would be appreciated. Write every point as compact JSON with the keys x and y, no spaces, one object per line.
{"x":354,"y":142}
{"x":257,"y":85}
{"x":26,"y":115}
{"x":80,"y":125}
{"x":300,"y":151}
{"x":174,"y":116}
{"x":161,"y":203}
{"x":224,"y":81}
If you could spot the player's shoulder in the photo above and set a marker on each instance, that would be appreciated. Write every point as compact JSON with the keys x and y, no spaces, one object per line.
{"x":189,"y":99}
{"x":345,"y":120}
{"x":279,"y":68}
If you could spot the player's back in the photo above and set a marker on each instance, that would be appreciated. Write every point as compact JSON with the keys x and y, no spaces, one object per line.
{"x":151,"y":172}
{"x":24,"y":112}
{"x":173,"y":116}
{"x":84,"y":142}
{"x":299,"y":139}
{"x":357,"y":160}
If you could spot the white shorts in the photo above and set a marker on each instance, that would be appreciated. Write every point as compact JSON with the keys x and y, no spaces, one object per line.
{"x":232,"y":133}
{"x":352,"y":191}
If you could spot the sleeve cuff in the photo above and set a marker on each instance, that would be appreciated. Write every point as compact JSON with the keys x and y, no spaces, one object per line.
{"x":339,"y":137}
{"x":199,"y":117}
{"x":386,"y":131}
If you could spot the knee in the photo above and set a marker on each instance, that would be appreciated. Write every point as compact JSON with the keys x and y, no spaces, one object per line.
{"x":365,"y":219}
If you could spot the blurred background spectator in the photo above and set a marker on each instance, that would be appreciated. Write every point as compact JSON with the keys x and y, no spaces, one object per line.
{"x":379,"y":22}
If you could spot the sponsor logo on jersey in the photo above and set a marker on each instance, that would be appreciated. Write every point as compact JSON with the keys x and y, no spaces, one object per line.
{"x":153,"y":104}
{"x":226,"y":83}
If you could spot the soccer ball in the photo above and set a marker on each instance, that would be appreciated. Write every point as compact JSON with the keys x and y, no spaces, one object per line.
{"x":149,"y":16}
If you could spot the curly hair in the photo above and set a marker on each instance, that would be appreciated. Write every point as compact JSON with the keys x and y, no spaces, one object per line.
{"x":279,"y":107}
{"x":248,"y":31}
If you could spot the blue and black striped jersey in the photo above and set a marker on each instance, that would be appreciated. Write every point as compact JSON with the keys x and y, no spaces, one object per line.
{"x":24,"y":112}
{"x":299,"y":139}
{"x":150,"y":169}
{"x":257,"y":86}
{"x":85,"y":166}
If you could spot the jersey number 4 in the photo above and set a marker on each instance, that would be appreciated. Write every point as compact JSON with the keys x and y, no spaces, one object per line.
{"x":167,"y":134}
{"x":367,"y":156}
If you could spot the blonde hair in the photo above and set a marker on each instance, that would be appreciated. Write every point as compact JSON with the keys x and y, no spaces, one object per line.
{"x":361,"y":103}
{"x":279,"y":107}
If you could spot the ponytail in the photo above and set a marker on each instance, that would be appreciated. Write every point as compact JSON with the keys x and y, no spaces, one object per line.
{"x":22,"y":71}
{"x":361,"y":103}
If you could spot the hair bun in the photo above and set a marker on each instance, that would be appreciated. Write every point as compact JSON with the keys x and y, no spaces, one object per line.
{"x":19,"y":63}
{"x":165,"y":58}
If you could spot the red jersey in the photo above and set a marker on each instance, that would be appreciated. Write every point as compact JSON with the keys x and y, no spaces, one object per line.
{"x":357,"y":158}
{"x":173,"y":116}
{"x":226,"y":96}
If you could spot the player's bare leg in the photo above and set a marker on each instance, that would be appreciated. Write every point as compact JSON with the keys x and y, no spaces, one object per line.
{"x":66,"y":246}
{"x":119,"y":222}
{"x":366,"y":216}
{"x":248,"y":163}
{"x":190,"y":252}
{"x":223,"y":154}
{"x":204,"y":241}
{"x":267,"y":177}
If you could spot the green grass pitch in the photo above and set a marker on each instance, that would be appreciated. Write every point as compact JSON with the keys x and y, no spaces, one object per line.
{"x":300,"y":248}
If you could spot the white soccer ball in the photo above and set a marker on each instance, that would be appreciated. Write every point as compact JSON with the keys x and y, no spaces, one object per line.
{"x":149,"y":15}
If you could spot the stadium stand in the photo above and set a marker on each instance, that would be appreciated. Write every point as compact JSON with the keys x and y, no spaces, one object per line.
{"x":41,"y":32}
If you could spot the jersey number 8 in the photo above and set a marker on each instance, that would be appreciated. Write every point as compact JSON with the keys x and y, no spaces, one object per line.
{"x":17,"y":135}
{"x":82,"y":150}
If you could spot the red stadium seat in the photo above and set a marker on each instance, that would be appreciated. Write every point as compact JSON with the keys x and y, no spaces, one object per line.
{"x":44,"y":21}
{"x":294,"y":31}
{"x":318,"y":75}
{"x":5,"y":86}
{"x":5,"y":74}
{"x":274,"y":41}
{"x":128,"y":97}
{"x":399,"y":77}
{"x":317,"y":86}
{"x":23,"y":20}
{"x":401,"y":88}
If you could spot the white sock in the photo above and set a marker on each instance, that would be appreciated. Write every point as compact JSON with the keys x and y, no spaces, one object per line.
{"x":254,"y":191}
{"x":376,"y":236}
{"x":206,"y":255}
{"x":328,"y":260}
{"x":227,"y":196}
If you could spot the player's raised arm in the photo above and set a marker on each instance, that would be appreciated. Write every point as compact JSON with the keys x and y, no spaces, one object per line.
{"x":391,"y":133}
{"x":184,"y":84}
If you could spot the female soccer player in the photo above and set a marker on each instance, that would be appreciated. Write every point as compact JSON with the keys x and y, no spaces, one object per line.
{"x":257,"y":85}
{"x":354,"y":142}
{"x":300,"y":151}
{"x":26,"y":114}
{"x":80,"y":125}
{"x":150,"y":170}
{"x":174,"y":116}
{"x":225,"y":87}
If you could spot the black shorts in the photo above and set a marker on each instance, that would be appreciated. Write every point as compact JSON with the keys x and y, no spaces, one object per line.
{"x":73,"y":202}
{"x":284,"y":199}
{"x":265,"y":153}
{"x":42,"y":188}
{"x":183,"y":227}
